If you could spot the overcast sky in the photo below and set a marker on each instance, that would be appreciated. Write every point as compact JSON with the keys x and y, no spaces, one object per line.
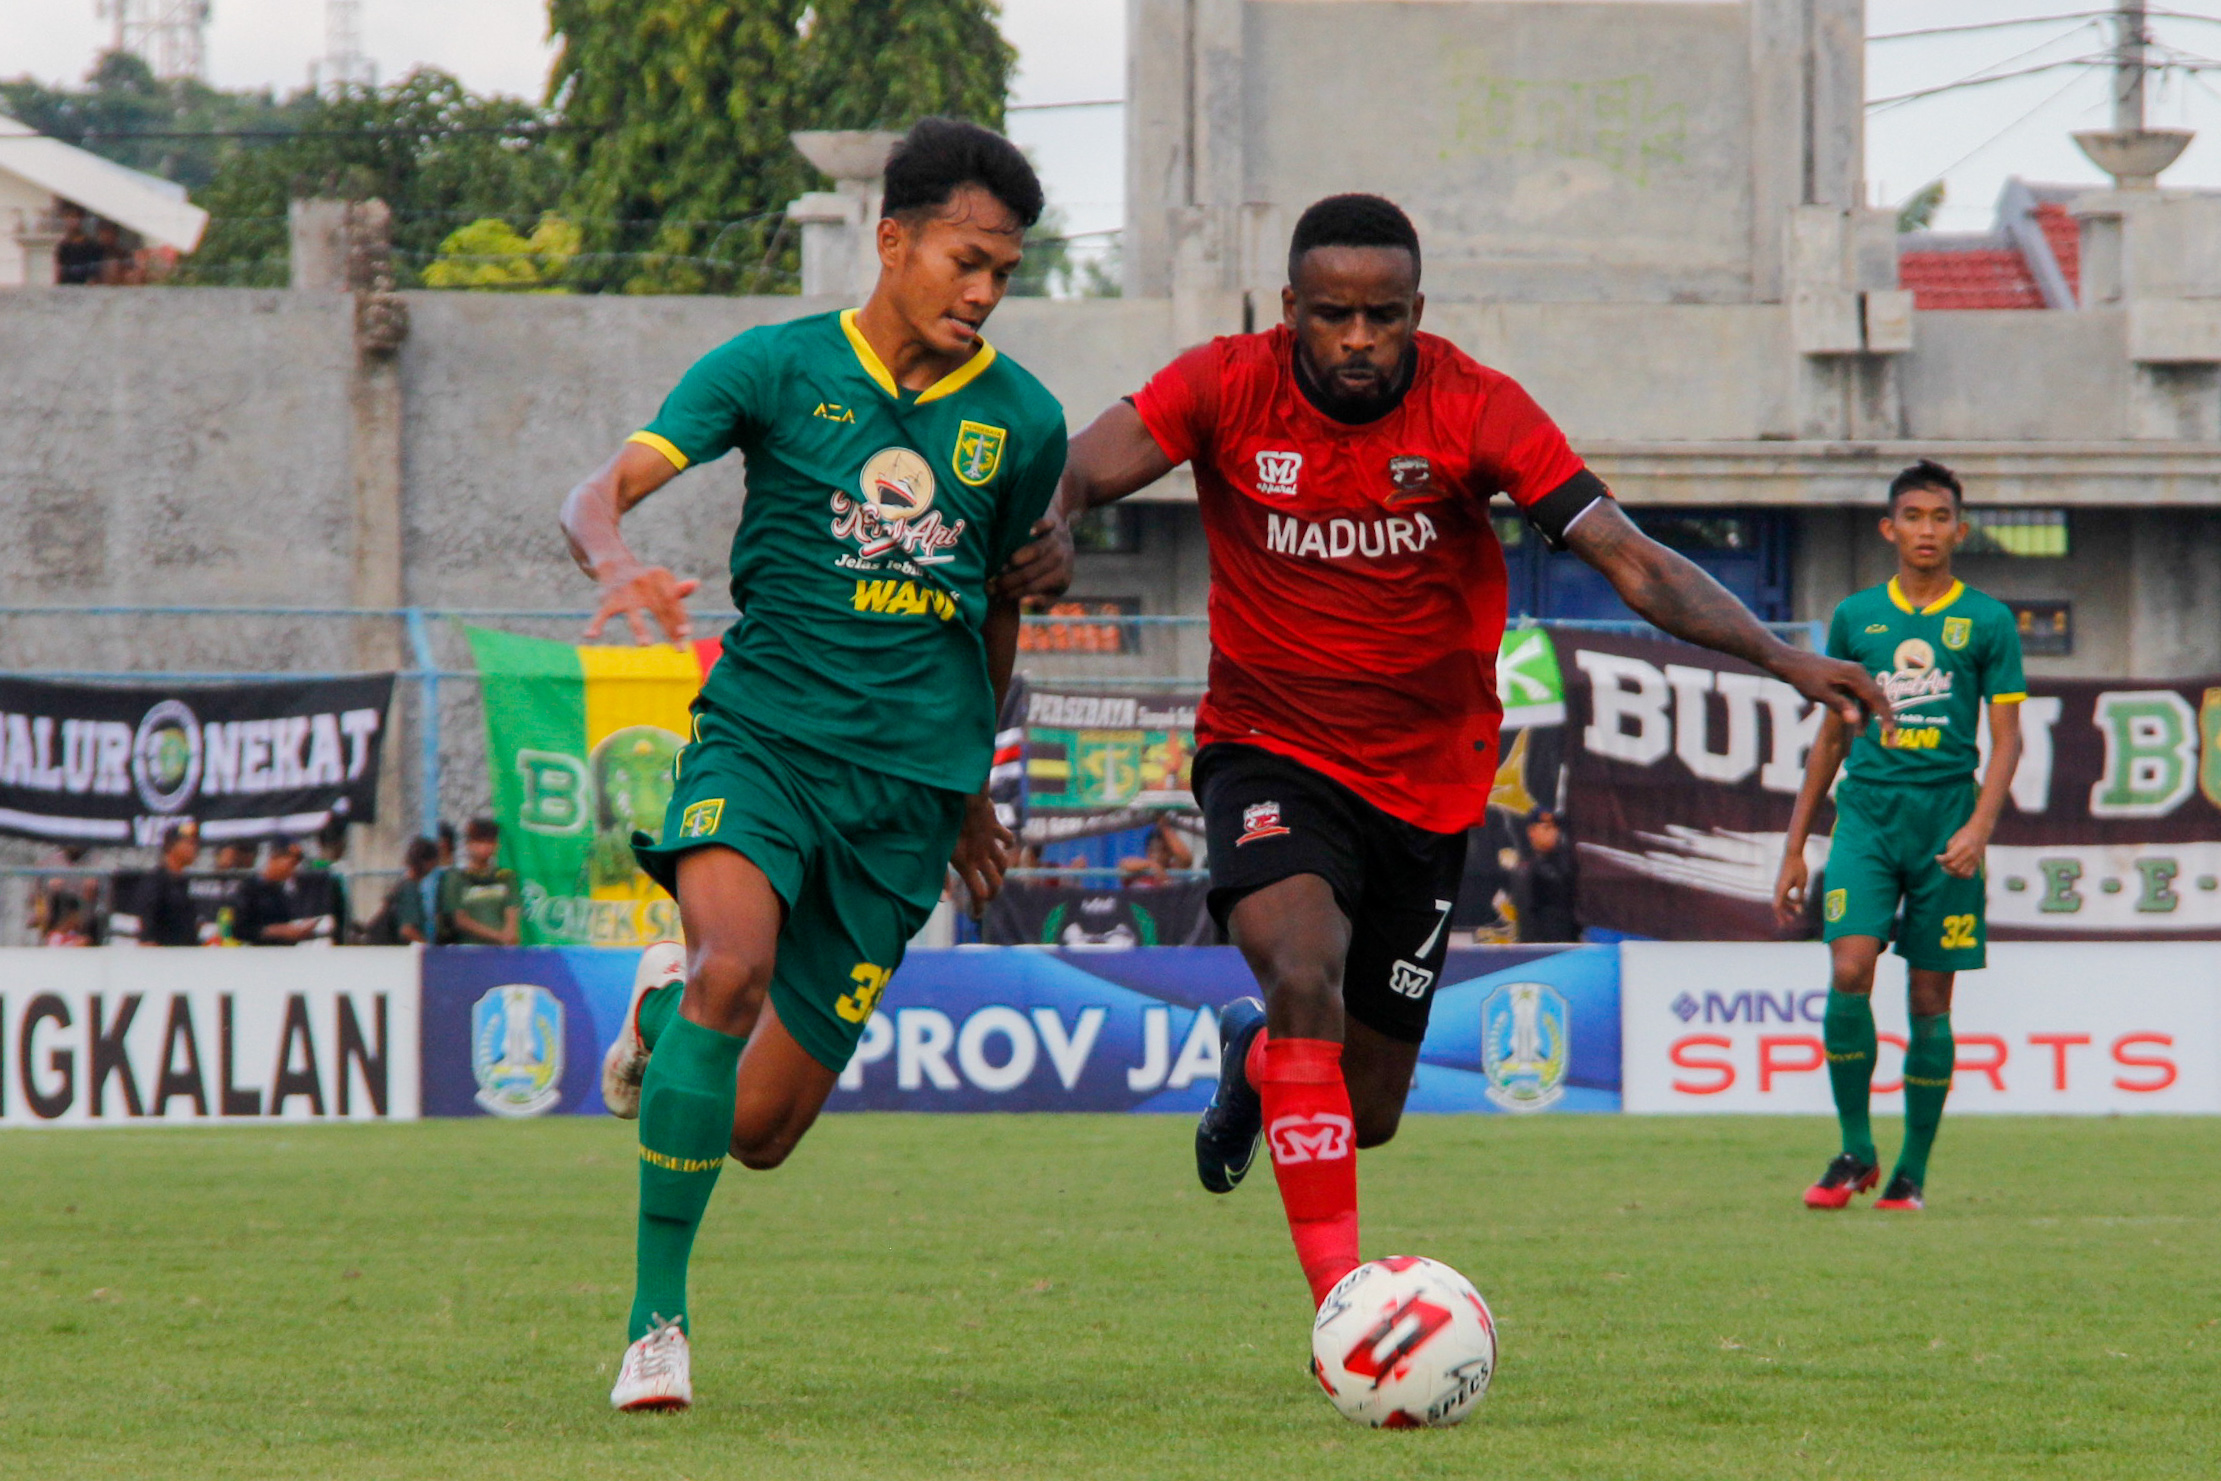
{"x":1075,"y":50}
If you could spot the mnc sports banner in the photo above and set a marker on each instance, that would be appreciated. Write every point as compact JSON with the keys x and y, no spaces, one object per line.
{"x":521,"y":1032}
{"x":1683,"y":765}
{"x":121,"y":763}
{"x":132,"y":1036}
{"x":580,"y":743}
{"x":2062,"y":1027}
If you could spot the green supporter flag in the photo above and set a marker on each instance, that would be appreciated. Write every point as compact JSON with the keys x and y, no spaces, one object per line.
{"x":579,"y":748}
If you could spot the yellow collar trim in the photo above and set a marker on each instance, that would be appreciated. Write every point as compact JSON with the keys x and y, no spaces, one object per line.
{"x":1904,"y":603}
{"x":948,"y":385}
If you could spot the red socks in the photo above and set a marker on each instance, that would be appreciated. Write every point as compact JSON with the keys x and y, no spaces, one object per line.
{"x":1314,"y":1150}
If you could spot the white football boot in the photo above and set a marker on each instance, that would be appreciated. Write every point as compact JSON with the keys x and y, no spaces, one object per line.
{"x":656,"y":1373}
{"x":627,"y":1060}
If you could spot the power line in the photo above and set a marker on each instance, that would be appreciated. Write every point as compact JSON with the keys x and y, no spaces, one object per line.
{"x":2038,"y":20}
{"x":1945,"y":172}
{"x":1077,"y":103}
{"x":1966,"y":82}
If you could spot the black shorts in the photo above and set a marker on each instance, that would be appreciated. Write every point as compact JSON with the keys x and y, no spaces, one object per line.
{"x":1270,"y":819}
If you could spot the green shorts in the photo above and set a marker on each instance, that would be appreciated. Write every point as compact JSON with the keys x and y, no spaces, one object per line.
{"x":858,"y":857}
{"x":1884,"y":850}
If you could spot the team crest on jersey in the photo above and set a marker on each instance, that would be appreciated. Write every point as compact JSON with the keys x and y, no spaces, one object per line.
{"x":893,"y":511}
{"x":979,"y":452}
{"x":700,"y":820}
{"x":1956,"y":631}
{"x":1412,"y":477}
{"x":1260,"y":820}
{"x":1276,"y":473}
{"x":1838,"y":901}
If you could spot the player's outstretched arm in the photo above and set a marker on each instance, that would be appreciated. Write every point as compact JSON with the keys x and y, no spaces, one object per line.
{"x":1675,"y":594}
{"x":1963,"y":855}
{"x":1111,"y":457}
{"x":1828,"y":749}
{"x":629,"y":586}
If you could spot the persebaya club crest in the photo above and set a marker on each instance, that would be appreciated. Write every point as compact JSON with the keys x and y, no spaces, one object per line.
{"x":979,"y":452}
{"x":1956,"y":631}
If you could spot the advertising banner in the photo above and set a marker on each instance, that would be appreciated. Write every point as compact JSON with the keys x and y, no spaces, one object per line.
{"x":1682,"y":767}
{"x":2088,"y":1028}
{"x":521,"y":1033}
{"x":1100,"y":760}
{"x":121,"y":763}
{"x":127,"y":1036}
{"x":580,"y":742}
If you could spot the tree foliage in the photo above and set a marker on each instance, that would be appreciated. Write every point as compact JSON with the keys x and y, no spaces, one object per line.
{"x":493,"y":254}
{"x":678,"y":113}
{"x":437,"y":154}
{"x":123,"y":113}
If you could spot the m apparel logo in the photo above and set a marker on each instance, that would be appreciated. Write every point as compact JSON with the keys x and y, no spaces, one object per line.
{"x":1323,"y":1137}
{"x":1260,"y":820}
{"x":1339,"y":539}
{"x":1276,"y":473}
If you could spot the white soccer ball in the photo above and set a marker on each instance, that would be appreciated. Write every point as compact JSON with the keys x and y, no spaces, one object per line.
{"x":1403,"y":1343}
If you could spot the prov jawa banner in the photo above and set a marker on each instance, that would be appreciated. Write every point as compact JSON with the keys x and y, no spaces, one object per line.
{"x":119,"y":764}
{"x":1683,"y":765}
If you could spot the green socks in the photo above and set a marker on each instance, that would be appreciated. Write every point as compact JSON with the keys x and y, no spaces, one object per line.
{"x":657,"y":1008}
{"x":686,"y":1124}
{"x":1847,"y":1028}
{"x":1928,"y":1064}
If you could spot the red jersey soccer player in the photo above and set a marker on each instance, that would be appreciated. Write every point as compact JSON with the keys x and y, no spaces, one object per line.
{"x":1344,"y":463}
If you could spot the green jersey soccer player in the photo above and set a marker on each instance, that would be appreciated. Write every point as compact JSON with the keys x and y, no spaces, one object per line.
{"x":841,"y":743}
{"x":1911,"y":825}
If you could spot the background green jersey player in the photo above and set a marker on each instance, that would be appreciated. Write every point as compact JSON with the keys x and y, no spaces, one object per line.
{"x":1911,"y":826}
{"x":841,"y":743}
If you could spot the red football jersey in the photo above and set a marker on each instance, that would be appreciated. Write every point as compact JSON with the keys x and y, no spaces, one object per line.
{"x":1357,"y":589}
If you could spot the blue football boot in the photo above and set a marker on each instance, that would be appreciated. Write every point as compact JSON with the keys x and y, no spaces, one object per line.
{"x":1226,"y":1135}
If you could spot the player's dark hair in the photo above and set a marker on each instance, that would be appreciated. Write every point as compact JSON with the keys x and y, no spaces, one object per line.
{"x":1927,"y":474}
{"x":482,"y":830}
{"x":940,"y":156}
{"x":423,"y":853}
{"x":1352,"y":221}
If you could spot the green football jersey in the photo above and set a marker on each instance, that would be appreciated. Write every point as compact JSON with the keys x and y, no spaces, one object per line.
{"x":874,"y":517}
{"x":1939,"y":665}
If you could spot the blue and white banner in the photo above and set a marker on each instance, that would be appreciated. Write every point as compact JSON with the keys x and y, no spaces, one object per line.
{"x":521,"y":1032}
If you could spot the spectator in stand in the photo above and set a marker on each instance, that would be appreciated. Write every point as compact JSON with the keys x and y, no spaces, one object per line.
{"x":77,"y":256}
{"x":1165,"y":852}
{"x":1542,"y":883}
{"x":161,"y":913}
{"x":119,"y":259}
{"x":479,"y":903}
{"x":274,"y":907}
{"x":403,"y":920}
{"x":331,"y":849}
{"x":68,"y":923}
{"x":430,"y":888}
{"x":55,"y":893}
{"x":235,"y":857}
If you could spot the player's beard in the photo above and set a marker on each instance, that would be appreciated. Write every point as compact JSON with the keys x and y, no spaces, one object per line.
{"x":1326,"y":392}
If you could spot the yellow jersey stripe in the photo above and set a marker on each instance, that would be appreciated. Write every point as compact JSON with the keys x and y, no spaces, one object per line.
{"x":866,"y":355}
{"x":1904,"y":603}
{"x":957,"y":379}
{"x":662,"y":445}
{"x":2007,"y":699}
{"x":948,"y":385}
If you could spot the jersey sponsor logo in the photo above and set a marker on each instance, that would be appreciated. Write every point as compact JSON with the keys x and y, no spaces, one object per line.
{"x":833,"y":411}
{"x":979,"y":452}
{"x":894,"y":511}
{"x":1321,"y":1137}
{"x":700,"y":820}
{"x":1260,"y":820}
{"x":1956,"y":631}
{"x":1339,"y":539}
{"x":1412,"y":477}
{"x":1917,"y":681}
{"x":1276,"y":473}
{"x":898,"y":598}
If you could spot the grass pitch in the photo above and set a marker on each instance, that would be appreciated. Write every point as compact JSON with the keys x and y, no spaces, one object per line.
{"x":1053,"y":1296}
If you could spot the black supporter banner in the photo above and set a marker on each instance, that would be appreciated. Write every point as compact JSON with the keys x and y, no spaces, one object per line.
{"x":120,"y":764}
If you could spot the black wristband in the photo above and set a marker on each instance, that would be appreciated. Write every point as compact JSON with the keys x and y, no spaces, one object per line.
{"x":1554,"y":513}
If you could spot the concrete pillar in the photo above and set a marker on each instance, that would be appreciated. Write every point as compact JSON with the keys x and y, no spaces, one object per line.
{"x":1159,"y":98}
{"x":840,"y":249}
{"x":2175,"y":603}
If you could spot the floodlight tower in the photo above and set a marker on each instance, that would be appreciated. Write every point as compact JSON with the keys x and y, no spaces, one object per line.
{"x":168,"y":35}
{"x":344,"y":62}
